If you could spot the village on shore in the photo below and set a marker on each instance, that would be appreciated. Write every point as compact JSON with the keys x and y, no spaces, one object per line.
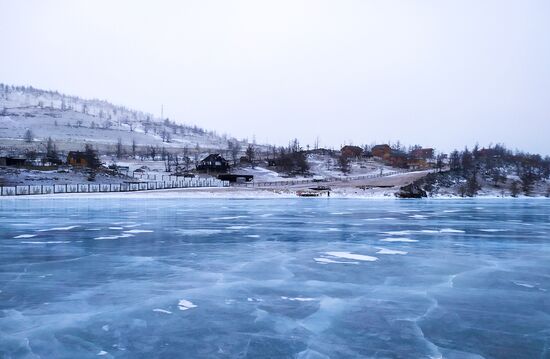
{"x":53,"y":143}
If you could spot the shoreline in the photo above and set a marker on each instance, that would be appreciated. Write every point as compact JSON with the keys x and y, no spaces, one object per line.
{"x":250,"y":193}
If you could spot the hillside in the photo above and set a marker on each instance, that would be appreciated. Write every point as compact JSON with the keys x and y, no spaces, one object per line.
{"x":71,"y":121}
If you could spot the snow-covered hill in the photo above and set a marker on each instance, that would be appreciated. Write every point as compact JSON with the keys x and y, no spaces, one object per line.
{"x":71,"y":121}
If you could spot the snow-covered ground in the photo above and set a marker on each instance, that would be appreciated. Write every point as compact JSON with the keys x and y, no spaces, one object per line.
{"x":71,"y":122}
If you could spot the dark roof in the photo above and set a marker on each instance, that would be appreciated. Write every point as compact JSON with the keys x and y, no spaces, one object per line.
{"x":213,"y":157}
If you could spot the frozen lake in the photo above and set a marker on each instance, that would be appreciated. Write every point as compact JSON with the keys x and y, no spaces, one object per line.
{"x":274,"y":278}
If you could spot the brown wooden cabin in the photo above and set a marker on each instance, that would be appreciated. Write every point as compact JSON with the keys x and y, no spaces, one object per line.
{"x":351,"y":151}
{"x":381,"y":151}
{"x":77,"y":158}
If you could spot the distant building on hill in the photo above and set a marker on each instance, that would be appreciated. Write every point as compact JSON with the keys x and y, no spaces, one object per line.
{"x":351,"y":151}
{"x":381,"y":151}
{"x":78,"y":158}
{"x":422,"y":153}
{"x":214,"y":162}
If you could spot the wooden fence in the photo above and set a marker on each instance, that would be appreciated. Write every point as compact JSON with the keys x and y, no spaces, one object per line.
{"x":110,"y":187}
{"x":324,"y":180}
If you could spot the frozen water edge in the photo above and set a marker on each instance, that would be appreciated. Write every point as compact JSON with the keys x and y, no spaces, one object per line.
{"x":246,"y":193}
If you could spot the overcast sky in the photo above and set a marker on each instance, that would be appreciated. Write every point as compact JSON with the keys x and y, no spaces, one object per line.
{"x":435,"y":73}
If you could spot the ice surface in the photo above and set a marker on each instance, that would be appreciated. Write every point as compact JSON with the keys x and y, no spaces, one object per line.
{"x":399,"y":239}
{"x":281,"y":286}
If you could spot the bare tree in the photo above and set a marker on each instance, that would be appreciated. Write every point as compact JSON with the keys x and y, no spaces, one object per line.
{"x":235,"y":149}
{"x":134,"y":148}
{"x":250,"y":154}
{"x":344,"y":162}
{"x":28,"y":136}
{"x":119,"y":149}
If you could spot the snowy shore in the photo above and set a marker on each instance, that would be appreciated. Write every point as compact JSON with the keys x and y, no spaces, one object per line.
{"x":246,"y":193}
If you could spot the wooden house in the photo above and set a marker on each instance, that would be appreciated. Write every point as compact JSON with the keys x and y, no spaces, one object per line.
{"x":422,"y":153}
{"x":77,"y":158}
{"x":351,"y":151}
{"x":381,"y":151}
{"x":214,"y":162}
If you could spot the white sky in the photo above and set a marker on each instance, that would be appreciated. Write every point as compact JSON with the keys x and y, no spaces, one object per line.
{"x":437,"y":73}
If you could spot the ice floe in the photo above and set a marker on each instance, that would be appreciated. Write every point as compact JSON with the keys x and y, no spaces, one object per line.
{"x":399,"y":239}
{"x":390,"y":251}
{"x":185,"y":304}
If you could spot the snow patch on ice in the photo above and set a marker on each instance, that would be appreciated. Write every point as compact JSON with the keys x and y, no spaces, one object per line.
{"x":124,"y":235}
{"x":353,"y":256}
{"x":298,"y":299}
{"x":523,"y":284}
{"x":185,"y":304}
{"x":323,"y":260}
{"x":451,"y":230}
{"x":158,"y":310}
{"x":390,"y":251}
{"x":397,"y":233}
{"x":237,"y":227}
{"x":139,"y":231}
{"x":198,"y":232}
{"x":45,"y":242}
{"x":58,"y":229}
{"x":227,"y":218}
